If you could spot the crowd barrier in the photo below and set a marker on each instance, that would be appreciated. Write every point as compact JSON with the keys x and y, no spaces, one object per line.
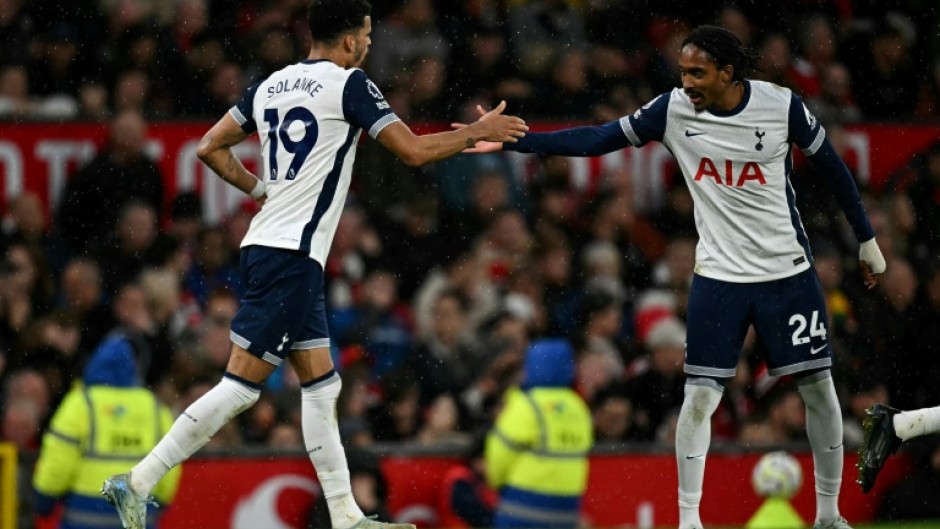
{"x":40,"y":157}
{"x":625,"y":489}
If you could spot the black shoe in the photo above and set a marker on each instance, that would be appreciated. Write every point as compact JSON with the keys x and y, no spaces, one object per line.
{"x":880,"y":442}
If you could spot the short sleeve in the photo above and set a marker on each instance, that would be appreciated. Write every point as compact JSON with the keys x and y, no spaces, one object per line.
{"x":648,"y":123}
{"x":803,"y":127}
{"x":243,"y":111}
{"x":364,"y":105}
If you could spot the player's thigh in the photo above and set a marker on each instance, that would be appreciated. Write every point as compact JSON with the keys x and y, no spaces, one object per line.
{"x":278,"y":291}
{"x":718,"y":318}
{"x":790,"y":318}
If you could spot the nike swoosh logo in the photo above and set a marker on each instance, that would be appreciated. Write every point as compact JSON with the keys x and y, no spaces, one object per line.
{"x":836,"y":447}
{"x":815,"y":350}
{"x":689,"y":134}
{"x":700,"y":456}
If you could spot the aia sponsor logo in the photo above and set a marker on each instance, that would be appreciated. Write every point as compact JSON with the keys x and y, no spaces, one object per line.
{"x":734,"y":174}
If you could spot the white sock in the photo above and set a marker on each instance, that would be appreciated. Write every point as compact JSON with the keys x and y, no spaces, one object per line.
{"x":824,"y":429}
{"x":321,"y":437}
{"x":693,"y":435}
{"x":192,"y":431}
{"x":913,"y":423}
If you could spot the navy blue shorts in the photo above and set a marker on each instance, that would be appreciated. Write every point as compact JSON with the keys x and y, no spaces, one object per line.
{"x":788,"y":314}
{"x":284,"y":307}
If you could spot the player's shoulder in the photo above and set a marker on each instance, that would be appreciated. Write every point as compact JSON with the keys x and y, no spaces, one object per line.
{"x":771,"y":90}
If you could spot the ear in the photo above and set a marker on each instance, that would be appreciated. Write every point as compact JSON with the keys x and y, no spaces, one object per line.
{"x":349,"y":43}
{"x":727,"y":73}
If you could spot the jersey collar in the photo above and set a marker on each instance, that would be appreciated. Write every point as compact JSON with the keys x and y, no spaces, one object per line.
{"x":313,"y":61}
{"x":736,"y":110}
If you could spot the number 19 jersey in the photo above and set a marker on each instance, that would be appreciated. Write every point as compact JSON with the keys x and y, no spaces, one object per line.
{"x":308,"y":117}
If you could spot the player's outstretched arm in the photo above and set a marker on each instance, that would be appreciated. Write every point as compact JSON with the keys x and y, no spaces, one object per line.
{"x":215,"y":150}
{"x":417,"y":150}
{"x":577,"y":141}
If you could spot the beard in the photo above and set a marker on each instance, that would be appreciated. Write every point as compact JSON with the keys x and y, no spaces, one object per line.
{"x":358,"y":55}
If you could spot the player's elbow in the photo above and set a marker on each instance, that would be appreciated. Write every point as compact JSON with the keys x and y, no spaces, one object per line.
{"x":412,"y":158}
{"x":204,"y":150}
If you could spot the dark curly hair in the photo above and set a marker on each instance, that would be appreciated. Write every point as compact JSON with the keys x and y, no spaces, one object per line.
{"x":328,"y":19}
{"x":724,"y":48}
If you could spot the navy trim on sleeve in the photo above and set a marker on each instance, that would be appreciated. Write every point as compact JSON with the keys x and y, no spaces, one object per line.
{"x":840,"y":182}
{"x":648,"y":123}
{"x":803,"y":127}
{"x":364,"y":105}
{"x":578,"y":141}
{"x":243,"y":111}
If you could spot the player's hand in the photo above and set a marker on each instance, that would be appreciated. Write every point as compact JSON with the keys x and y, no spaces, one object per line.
{"x":495,"y":128}
{"x":262,"y":199}
{"x":872,"y":263}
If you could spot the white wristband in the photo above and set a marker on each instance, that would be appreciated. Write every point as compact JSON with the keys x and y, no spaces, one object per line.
{"x":259,"y":190}
{"x":869,"y":252}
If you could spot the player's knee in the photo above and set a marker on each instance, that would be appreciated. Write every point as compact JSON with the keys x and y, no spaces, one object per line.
{"x":702,"y":395}
{"x":242,"y":392}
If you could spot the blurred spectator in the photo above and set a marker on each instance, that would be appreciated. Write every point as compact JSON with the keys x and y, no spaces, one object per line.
{"x":469,"y":275}
{"x":14,"y":93}
{"x":132,"y":92}
{"x":786,"y":415}
{"x":130,"y":248}
{"x":541,"y":31}
{"x":397,"y":418}
{"x":886,"y":84}
{"x":541,"y":478}
{"x":465,"y":499}
{"x":817,"y":47}
{"x":414,"y":238}
{"x":101,"y":423}
{"x":446,"y":359}
{"x":93,"y":102}
{"x":378,"y":322}
{"x":26,"y":290}
{"x":120,"y":173}
{"x":277,"y":50}
{"x":26,"y":402}
{"x":567,"y":97}
{"x":186,"y":219}
{"x":442,"y":426}
{"x":776,"y":62}
{"x":425,"y":89}
{"x":407,"y":33}
{"x":17,"y":24}
{"x":657,"y":384}
{"x":26,"y":223}
{"x":612,"y":412}
{"x":225,"y":87}
{"x":211,"y":268}
{"x":921,"y":182}
{"x":601,"y":321}
{"x":57,"y":68}
{"x":868,"y":392}
{"x":884,"y":331}
{"x":355,"y":246}
{"x":835,"y":103}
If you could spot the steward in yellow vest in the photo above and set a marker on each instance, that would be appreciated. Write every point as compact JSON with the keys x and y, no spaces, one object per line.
{"x":537,"y":453}
{"x":103,"y":426}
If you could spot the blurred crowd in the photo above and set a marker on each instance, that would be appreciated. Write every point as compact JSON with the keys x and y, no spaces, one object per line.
{"x":554,"y":59}
{"x":439,"y":278}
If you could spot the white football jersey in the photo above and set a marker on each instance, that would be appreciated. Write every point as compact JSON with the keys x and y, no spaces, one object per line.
{"x":308,"y":117}
{"x":737,"y":166}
